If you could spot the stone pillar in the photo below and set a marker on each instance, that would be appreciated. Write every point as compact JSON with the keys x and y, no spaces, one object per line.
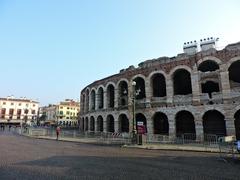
{"x":97,"y":101}
{"x":105,"y":100}
{"x":195,"y":86}
{"x":169,"y":89}
{"x":230,"y":127}
{"x":104,"y":124}
{"x":149,"y":123}
{"x":171,"y":122}
{"x":116,"y":124}
{"x":116,"y":97}
{"x":199,"y":127}
{"x":225,"y":84}
{"x":148,"y":93}
{"x":130,"y":106}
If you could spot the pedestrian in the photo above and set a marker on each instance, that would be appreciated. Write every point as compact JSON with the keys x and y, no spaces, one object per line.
{"x":58,"y":131}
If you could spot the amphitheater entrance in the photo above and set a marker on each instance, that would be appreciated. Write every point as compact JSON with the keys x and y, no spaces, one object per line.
{"x":237,"y":124}
{"x":214,"y":123}
{"x":92,"y":123}
{"x":86,"y":124}
{"x":110,"y":123}
{"x":92,"y":101}
{"x":100,"y":98}
{"x":140,"y":88}
{"x":210,"y":87}
{"x":185,"y":125}
{"x":123,"y":93}
{"x":234,"y":77}
{"x":110,"y":96}
{"x":158,"y":85}
{"x":160,"y":124}
{"x":141,"y":118}
{"x":123,"y":123}
{"x":99,"y":124}
{"x":208,"y":66}
{"x":182,"y":82}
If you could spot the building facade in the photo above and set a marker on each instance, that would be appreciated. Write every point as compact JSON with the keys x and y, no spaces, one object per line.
{"x":64,"y":114}
{"x":196,"y":92}
{"x":18,"y":111}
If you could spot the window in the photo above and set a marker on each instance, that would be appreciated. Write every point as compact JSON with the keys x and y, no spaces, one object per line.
{"x":11,"y":111}
{"x":61,"y":107}
{"x":4,"y":103}
{"x":33,"y":105}
{"x":67,"y":112}
{"x":67,"y":107}
{"x":19,"y":104}
{"x":12,"y":104}
{"x":61,"y":112}
{"x":27,"y":105}
{"x":19,"y":111}
{"x":33,"y":111}
{"x":67,"y":117}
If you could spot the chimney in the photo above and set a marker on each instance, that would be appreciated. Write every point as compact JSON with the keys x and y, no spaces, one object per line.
{"x":190,"y":48}
{"x":208,"y":43}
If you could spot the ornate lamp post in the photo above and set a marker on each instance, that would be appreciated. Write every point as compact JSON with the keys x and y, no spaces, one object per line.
{"x":134,"y":137}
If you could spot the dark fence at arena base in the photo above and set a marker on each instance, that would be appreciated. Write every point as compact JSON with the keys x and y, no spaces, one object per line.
{"x":206,"y":141}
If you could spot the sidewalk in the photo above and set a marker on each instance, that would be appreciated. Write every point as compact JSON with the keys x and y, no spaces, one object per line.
{"x":172,"y":147}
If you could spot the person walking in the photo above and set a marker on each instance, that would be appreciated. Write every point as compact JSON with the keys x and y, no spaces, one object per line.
{"x":58,"y":131}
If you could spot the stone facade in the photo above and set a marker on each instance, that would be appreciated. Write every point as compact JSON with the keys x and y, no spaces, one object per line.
{"x":190,"y":93}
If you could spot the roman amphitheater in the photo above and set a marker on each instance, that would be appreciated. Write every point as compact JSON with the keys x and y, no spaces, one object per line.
{"x":196,"y":92}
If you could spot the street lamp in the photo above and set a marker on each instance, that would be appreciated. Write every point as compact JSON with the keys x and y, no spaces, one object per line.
{"x":133,"y":110}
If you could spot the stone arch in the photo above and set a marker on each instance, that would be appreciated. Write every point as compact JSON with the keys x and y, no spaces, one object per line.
{"x":185,"y":124}
{"x":92,"y":99}
{"x":140,"y":87}
{"x":208,"y":65}
{"x":122,"y":92}
{"x":92,"y":123}
{"x":100,"y":123}
{"x":100,"y":97}
{"x":182,"y":84}
{"x":110,"y":123}
{"x":87,"y":99}
{"x":123,"y":123}
{"x":237,"y":124}
{"x":214,"y":123}
{"x":141,"y":118}
{"x":231,"y":61}
{"x":160,"y":123}
{"x":234,"y":78}
{"x":110,"y":88}
{"x":211,"y":58}
{"x":158,"y":84}
{"x":187,"y":68}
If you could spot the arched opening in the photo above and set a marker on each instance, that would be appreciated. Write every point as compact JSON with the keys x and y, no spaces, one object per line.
{"x":92,"y":124}
{"x":234,"y":76}
{"x":93,"y":96}
{"x":182,"y":82}
{"x":185,"y":124}
{"x":87,"y":100}
{"x":86,"y":124}
{"x":214,"y":123}
{"x":123,"y":123}
{"x":110,"y":96}
{"x":141,"y":118}
{"x":110,"y":123}
{"x":82,"y":124}
{"x":158,"y":85}
{"x":160,"y":124}
{"x":100,"y":98}
{"x":83,"y":103}
{"x":140,"y":88}
{"x":208,"y":65}
{"x":237,"y":124}
{"x":210,"y":87}
{"x":123,"y":93}
{"x":100,"y":124}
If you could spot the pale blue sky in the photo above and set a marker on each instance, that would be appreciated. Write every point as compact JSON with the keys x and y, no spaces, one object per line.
{"x":51,"y":49}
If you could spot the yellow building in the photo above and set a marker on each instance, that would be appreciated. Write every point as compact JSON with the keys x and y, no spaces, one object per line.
{"x":67,"y":113}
